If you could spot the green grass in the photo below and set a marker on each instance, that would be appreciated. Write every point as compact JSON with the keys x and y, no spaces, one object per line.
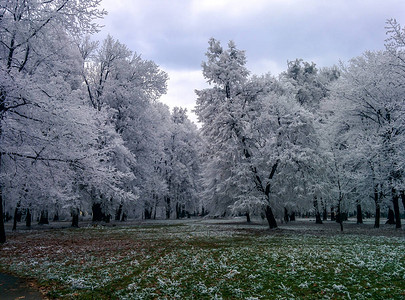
{"x":207,"y":262}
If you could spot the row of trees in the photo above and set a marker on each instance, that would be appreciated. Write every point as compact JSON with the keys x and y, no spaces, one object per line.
{"x":309,"y":140}
{"x":81,"y":130}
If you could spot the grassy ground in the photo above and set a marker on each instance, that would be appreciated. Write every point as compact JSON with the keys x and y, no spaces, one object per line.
{"x":211,"y":260}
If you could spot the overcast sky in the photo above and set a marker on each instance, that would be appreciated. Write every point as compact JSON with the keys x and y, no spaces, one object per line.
{"x":174,"y":33}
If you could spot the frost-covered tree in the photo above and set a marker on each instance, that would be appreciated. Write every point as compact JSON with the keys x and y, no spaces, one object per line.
{"x":44,"y":120}
{"x":396,"y":48}
{"x":258,"y":136}
{"x":372,"y":116}
{"x":183,"y":166}
{"x":121,"y":82}
{"x":309,"y":87}
{"x":218,"y":109}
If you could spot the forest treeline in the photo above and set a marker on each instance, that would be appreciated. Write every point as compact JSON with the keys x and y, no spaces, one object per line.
{"x":82,"y":130}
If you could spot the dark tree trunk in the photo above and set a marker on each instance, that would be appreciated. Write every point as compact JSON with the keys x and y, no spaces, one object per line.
{"x":325,"y":212}
{"x":270,"y":217}
{"x":391,"y":217}
{"x":377,"y":216}
{"x":28,"y":218}
{"x":177,"y":211}
{"x":292,"y":216}
{"x":124,"y":217}
{"x":75,"y":217}
{"x":97,"y":213}
{"x":56,"y":216}
{"x":403,"y":198}
{"x":247,"y":217}
{"x":359,"y":215}
{"x":395,"y":201}
{"x":168,"y":208}
{"x":2,"y":229}
{"x":318,"y":219}
{"x":44,"y":218}
{"x":286,"y":216}
{"x":148,"y":214}
{"x":118,"y":213}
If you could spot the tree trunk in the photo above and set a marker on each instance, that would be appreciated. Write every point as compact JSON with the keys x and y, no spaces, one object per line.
{"x":391,"y":217}
{"x":148,"y":214}
{"x":359,"y":215}
{"x":403,"y":198}
{"x":325,"y":212}
{"x":292,"y":216}
{"x":75,"y":217}
{"x":317,"y":213}
{"x":177,"y":211}
{"x":377,"y":216}
{"x":339,"y":217}
{"x":168,"y":208}
{"x":28,"y":218}
{"x":395,"y":201}
{"x":2,"y":229}
{"x":124,"y":217}
{"x":270,"y":217}
{"x":286,"y":216}
{"x":44,"y":218}
{"x":97,"y":213}
{"x":247,"y":217}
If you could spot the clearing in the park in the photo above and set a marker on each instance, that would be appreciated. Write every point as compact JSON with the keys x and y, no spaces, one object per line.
{"x":211,"y":259}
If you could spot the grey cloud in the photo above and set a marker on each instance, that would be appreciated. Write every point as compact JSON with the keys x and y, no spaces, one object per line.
{"x":172,"y":33}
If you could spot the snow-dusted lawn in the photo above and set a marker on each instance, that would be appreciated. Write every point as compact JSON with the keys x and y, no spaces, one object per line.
{"x":206,"y":260}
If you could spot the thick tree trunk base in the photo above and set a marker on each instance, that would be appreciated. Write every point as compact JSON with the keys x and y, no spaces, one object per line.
{"x":248,"y":217}
{"x":97,"y":213}
{"x":359,"y":215}
{"x":318,"y":219}
{"x":270,"y":217}
{"x":44,"y":218}
{"x":75,"y":219}
{"x":28,"y":219}
{"x":292,"y":216}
